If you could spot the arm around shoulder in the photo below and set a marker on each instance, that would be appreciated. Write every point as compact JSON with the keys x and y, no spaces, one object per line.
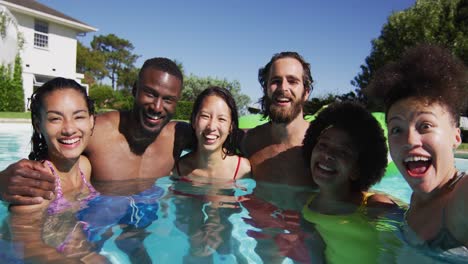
{"x":26,"y":182}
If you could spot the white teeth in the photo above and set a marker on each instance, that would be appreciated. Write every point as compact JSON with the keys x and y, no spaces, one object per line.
{"x":155,"y":117}
{"x":416,"y":158}
{"x":211,"y":137}
{"x":70,"y":141}
{"x":323,"y":167}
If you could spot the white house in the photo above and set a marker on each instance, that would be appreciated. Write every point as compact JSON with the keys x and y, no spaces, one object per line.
{"x":49,"y":48}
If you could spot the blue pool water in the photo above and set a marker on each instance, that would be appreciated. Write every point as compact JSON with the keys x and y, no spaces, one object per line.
{"x":173,"y":221}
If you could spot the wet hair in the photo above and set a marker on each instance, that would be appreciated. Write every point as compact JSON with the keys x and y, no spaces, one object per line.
{"x":162,"y":64}
{"x":231,"y":143}
{"x":39,"y":145}
{"x":365,"y":133}
{"x":425,"y":71}
{"x":264,"y":75}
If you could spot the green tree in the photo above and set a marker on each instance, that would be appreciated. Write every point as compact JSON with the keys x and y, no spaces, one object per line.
{"x":117,"y":53}
{"x":127,"y":78}
{"x":442,"y":22}
{"x":101,"y":95}
{"x":91,"y":63}
{"x":314,"y":104}
{"x":17,"y":93}
{"x":194,"y":85}
{"x":11,"y":87}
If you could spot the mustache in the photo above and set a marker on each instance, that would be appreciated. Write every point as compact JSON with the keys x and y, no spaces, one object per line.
{"x":281,"y":93}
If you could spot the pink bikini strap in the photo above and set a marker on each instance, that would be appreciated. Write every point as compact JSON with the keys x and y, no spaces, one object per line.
{"x":58,"y":188}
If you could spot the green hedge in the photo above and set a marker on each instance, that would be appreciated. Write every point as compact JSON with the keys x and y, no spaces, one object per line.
{"x":183,"y":110}
{"x":105,"y":97}
{"x":11,"y":88}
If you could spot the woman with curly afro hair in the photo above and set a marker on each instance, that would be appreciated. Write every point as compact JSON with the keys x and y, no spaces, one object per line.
{"x":347,"y":154}
{"x":424,"y":93}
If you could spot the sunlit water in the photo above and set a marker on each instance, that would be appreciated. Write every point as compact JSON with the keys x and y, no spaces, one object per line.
{"x":175,"y":221}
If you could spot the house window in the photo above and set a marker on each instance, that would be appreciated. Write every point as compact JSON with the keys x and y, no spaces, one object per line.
{"x":41,"y":34}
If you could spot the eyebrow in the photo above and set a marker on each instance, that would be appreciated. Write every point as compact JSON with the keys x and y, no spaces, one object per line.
{"x":416,"y":114}
{"x":60,"y":113}
{"x":287,"y":77}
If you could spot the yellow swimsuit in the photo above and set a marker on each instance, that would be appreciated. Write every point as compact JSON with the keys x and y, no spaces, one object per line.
{"x":350,"y":238}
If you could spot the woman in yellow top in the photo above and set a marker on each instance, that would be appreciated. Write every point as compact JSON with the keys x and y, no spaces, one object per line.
{"x":347,"y":152}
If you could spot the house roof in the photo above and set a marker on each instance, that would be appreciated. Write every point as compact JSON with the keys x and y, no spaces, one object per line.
{"x":36,"y":9}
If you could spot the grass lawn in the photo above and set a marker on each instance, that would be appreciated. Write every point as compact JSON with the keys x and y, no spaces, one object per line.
{"x":26,"y":115}
{"x":463,"y":146}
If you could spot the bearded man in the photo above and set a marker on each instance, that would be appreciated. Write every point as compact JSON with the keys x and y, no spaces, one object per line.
{"x":275,"y":148}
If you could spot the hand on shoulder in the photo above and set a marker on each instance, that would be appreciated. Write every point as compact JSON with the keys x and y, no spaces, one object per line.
{"x":26,"y":182}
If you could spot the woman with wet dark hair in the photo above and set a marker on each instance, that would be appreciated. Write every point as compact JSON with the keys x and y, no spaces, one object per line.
{"x":215,"y":124}
{"x":62,"y":116}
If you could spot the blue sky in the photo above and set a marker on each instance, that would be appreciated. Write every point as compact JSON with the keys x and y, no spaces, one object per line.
{"x":233,"y":39}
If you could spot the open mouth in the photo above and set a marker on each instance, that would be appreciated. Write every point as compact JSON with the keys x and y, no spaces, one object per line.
{"x":153,"y":118}
{"x":282,"y":100}
{"x":417,"y":165}
{"x":69,"y":141}
{"x":210,"y":138}
{"x":325,"y":168}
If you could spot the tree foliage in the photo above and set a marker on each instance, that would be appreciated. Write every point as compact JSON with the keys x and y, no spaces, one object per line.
{"x":111,"y":56}
{"x":91,"y":63}
{"x":105,"y":97}
{"x":194,"y":85}
{"x":442,"y":22}
{"x":11,"y":88}
{"x":117,"y":54}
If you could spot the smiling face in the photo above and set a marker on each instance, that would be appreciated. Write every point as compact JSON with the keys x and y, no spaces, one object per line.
{"x":65,"y":124}
{"x":156,"y":99}
{"x":285,"y":90}
{"x":333,"y":163}
{"x":422,"y":137}
{"x":212,"y":124}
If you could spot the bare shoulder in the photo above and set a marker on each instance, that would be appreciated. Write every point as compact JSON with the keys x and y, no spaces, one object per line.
{"x":457,"y":210}
{"x":381,"y":200}
{"x":460,"y":197}
{"x":85,"y":167}
{"x":105,"y":126}
{"x":254,"y":138}
{"x":108,"y":120}
{"x":244,"y":169}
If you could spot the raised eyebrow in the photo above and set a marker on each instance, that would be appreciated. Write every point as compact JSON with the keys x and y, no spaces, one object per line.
{"x":80,"y":111}
{"x":395,"y":118}
{"x":425,"y":113}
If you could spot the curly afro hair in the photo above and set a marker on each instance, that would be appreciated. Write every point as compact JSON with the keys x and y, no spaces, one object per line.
{"x":425,"y":71}
{"x":363,"y":129}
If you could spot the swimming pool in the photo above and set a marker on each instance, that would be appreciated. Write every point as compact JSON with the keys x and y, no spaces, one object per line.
{"x":171,"y":222}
